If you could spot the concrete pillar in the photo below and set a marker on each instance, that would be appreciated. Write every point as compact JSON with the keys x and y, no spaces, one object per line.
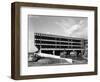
{"x":40,"y":49}
{"x":53,"y":52}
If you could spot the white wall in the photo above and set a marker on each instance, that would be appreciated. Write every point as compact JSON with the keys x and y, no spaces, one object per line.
{"x":5,"y":40}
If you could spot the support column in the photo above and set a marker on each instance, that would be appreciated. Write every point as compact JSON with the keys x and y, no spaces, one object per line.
{"x":53,"y":52}
{"x":40,"y":49}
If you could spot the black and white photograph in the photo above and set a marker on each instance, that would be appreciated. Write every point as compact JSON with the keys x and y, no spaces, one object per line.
{"x":57,"y":40}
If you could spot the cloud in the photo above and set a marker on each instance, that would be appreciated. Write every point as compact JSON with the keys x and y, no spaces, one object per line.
{"x":74,"y":29}
{"x":79,"y":28}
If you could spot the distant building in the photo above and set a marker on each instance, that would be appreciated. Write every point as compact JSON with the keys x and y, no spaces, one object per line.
{"x":55,"y":44}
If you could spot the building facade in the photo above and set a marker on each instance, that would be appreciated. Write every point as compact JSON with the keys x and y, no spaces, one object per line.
{"x":55,"y":45}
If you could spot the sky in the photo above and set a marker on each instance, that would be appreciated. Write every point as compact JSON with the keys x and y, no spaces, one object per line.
{"x":59,"y":25}
{"x":56,"y":25}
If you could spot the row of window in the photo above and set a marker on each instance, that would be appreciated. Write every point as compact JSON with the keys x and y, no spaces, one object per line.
{"x":50,"y":42}
{"x":49,"y":46}
{"x":55,"y":38}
